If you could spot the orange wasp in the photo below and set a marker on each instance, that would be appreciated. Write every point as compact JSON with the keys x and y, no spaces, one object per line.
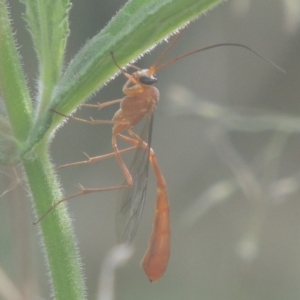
{"x":140,"y":102}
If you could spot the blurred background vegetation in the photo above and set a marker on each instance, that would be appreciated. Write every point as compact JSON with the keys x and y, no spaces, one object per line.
{"x":226,"y":135}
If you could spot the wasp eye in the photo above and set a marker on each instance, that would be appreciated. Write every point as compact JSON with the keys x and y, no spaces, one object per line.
{"x":148,"y":80}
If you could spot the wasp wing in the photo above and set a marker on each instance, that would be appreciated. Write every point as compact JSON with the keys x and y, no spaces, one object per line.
{"x":130,"y":201}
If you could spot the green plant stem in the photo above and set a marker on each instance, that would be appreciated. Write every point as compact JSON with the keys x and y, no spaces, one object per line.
{"x":59,"y":242}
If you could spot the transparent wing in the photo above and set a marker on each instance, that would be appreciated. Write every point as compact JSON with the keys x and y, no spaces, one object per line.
{"x":130,"y":201}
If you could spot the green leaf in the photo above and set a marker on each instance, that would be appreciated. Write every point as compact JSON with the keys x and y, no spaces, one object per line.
{"x":13,"y":85}
{"x":47,"y":22}
{"x":138,"y":26}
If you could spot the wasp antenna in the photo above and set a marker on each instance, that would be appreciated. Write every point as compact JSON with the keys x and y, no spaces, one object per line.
{"x":171,"y":61}
{"x":167,"y":50}
{"x":115,"y":62}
